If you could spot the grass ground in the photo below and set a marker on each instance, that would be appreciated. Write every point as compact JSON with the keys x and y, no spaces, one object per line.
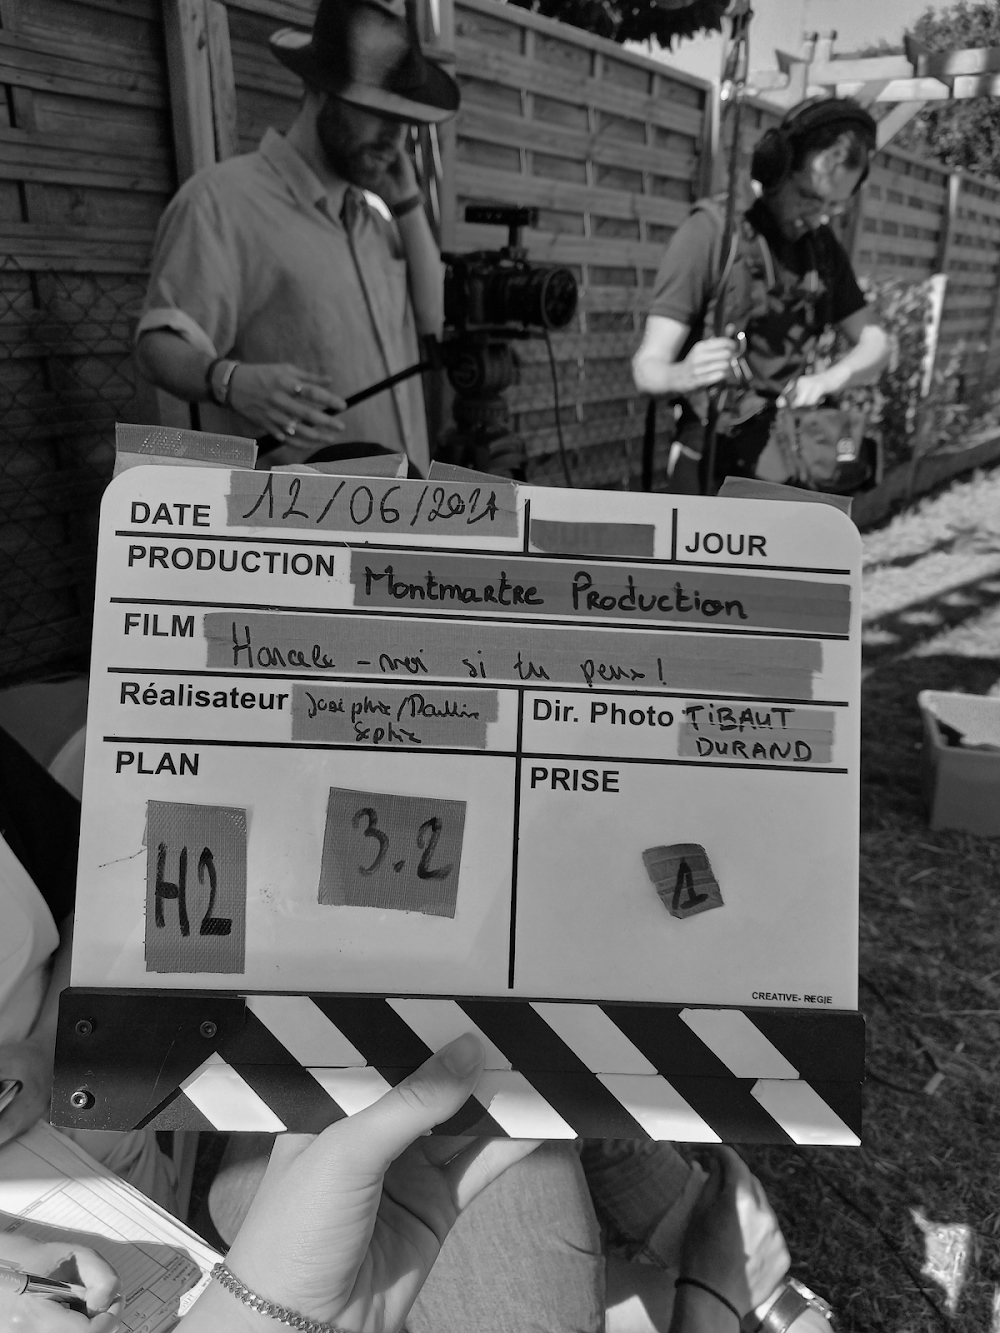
{"x":903,"y":1235}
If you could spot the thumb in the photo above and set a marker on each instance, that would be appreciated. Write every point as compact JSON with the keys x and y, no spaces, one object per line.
{"x":430,"y":1095}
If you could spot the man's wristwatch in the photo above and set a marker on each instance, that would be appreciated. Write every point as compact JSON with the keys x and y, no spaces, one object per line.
{"x":407,"y":205}
{"x":793,"y":1299}
{"x":218,"y":378}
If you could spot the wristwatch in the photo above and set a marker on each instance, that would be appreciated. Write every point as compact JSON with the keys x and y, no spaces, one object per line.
{"x":793,"y":1298}
{"x":218,"y":377}
{"x":407,"y":205}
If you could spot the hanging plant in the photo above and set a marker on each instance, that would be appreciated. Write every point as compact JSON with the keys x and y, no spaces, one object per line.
{"x":635,"y":20}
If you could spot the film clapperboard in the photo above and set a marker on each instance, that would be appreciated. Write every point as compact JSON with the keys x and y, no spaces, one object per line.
{"x":372,"y":762}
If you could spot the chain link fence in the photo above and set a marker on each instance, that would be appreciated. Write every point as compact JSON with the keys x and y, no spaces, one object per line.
{"x":65,"y":377}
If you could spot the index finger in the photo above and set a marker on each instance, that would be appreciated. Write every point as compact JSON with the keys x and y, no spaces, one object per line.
{"x":731,"y":1168}
{"x":99,"y":1280}
{"x":318,"y":396}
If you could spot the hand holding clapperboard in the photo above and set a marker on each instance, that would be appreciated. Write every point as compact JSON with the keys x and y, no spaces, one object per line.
{"x":372,"y":762}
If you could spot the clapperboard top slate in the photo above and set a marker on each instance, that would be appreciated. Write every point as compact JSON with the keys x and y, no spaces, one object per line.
{"x":372,"y":762}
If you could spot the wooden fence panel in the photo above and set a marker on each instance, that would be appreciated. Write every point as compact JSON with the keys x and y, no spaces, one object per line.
{"x":86,"y":167}
{"x":903,"y":218}
{"x":969,"y":333}
{"x":608,"y":145}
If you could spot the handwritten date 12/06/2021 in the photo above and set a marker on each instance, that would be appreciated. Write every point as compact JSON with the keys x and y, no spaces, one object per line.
{"x":335,"y":504}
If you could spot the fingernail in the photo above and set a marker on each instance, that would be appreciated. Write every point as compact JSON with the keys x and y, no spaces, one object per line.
{"x":462,"y":1056}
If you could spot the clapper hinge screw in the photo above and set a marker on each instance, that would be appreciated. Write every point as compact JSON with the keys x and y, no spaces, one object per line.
{"x":208,"y":1029}
{"x":82,"y":1100}
{"x":84,"y":1028}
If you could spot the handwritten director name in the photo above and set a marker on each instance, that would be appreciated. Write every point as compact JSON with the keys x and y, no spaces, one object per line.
{"x":551,"y":587}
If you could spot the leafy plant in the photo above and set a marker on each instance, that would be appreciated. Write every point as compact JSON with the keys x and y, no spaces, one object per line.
{"x":912,"y":424}
{"x":961,"y":134}
{"x":635,"y":20}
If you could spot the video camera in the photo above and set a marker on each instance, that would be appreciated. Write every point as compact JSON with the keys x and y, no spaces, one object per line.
{"x":501,"y":290}
{"x":492,"y":298}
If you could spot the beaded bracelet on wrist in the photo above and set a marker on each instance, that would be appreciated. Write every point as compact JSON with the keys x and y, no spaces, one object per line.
{"x":229,"y":1282}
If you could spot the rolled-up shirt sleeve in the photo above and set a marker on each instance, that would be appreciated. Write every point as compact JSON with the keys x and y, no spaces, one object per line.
{"x":194,"y":284}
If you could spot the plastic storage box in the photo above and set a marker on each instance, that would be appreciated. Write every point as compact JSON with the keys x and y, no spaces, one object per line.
{"x":961,"y":781}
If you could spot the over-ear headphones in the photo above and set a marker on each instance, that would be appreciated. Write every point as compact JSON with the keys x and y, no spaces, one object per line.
{"x":774,"y":151}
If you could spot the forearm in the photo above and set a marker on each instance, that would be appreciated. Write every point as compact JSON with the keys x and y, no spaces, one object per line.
{"x":658,"y":377}
{"x":43,"y":1033}
{"x":864,"y":362}
{"x":215,"y":1309}
{"x":171,"y":363}
{"x":697,"y":1311}
{"x":426,"y":272}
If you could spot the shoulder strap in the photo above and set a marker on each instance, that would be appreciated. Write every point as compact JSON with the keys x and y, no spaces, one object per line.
{"x":715,"y":303}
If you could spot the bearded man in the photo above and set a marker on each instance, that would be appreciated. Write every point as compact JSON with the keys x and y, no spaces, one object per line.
{"x":285,"y":280}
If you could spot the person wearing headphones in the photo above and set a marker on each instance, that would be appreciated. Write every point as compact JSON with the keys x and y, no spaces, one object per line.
{"x":785,"y":279}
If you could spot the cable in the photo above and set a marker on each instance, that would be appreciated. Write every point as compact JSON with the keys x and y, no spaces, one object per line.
{"x":555,"y":395}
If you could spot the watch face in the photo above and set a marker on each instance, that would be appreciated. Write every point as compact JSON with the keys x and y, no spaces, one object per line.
{"x":817,"y":1302}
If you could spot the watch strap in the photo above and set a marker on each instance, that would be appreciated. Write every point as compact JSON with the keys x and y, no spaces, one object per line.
{"x":218,"y":377}
{"x":407,"y":205}
{"x":793,"y":1300}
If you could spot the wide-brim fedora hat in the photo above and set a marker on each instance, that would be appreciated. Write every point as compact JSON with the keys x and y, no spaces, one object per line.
{"x":368,"y":53}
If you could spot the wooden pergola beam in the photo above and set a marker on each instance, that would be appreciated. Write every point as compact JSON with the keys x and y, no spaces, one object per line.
{"x":890,"y":125}
{"x":896,"y":90}
{"x":905,"y":82}
{"x":951,"y":64}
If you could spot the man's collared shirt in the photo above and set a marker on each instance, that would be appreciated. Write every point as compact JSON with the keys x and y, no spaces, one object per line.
{"x":253,"y":261}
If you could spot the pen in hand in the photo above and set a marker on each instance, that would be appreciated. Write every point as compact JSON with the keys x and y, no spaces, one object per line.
{"x":9,"y":1088}
{"x":15,"y":1282}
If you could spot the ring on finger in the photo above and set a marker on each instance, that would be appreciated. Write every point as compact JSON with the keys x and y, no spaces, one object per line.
{"x":292,"y":427}
{"x":298,"y":390}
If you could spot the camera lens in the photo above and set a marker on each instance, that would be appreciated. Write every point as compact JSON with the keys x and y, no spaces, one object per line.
{"x":557,"y":298}
{"x":534,"y":297}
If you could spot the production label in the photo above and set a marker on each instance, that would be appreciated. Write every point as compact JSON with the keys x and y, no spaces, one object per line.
{"x":401,"y":737}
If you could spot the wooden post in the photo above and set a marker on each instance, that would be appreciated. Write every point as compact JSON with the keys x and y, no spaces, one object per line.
{"x":185,"y":26}
{"x":446,"y":136}
{"x":901,"y":114}
{"x":710,"y":142}
{"x":948,"y":221}
{"x":220,"y":64}
{"x":943,"y":260}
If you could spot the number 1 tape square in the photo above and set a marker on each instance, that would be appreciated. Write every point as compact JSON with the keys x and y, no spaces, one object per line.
{"x":387,"y":851}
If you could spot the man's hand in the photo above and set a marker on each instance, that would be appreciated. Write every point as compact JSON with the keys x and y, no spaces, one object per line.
{"x":400,"y":180}
{"x":733,"y":1242}
{"x":288,"y":403}
{"x":708,"y":363}
{"x":30,"y":1062}
{"x":97,"y":1285}
{"x":808,"y":390}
